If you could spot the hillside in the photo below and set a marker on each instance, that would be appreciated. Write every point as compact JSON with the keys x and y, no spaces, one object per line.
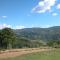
{"x":29,"y":37}
{"x":45,"y":34}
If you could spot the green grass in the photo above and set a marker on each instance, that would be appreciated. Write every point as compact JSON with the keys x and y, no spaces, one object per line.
{"x":49,"y":55}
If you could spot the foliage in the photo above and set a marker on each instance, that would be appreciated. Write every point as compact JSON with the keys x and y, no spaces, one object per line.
{"x":26,"y":43}
{"x":7,"y":38}
{"x":45,"y":34}
{"x":29,"y":37}
{"x":54,"y":43}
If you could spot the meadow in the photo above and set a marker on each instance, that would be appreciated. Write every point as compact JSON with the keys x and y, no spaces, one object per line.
{"x":46,"y":55}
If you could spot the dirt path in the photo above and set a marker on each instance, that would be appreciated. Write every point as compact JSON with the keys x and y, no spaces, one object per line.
{"x":19,"y":52}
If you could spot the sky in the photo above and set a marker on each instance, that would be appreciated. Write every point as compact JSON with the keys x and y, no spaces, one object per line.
{"x":18,"y":14}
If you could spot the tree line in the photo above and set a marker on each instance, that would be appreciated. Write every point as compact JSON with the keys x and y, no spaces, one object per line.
{"x":9,"y":40}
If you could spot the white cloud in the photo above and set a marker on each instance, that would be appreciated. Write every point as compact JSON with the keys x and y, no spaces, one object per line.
{"x":4,"y":26}
{"x":10,"y":26}
{"x":58,"y":6}
{"x":54,"y":14}
{"x":19,"y":27}
{"x":4,"y":16}
{"x":45,"y":26}
{"x":43,"y":6}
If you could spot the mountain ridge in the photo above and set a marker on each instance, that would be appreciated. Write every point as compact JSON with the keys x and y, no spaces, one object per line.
{"x":51,"y":33}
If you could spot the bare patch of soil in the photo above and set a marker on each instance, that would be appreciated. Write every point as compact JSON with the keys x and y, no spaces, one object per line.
{"x":19,"y":52}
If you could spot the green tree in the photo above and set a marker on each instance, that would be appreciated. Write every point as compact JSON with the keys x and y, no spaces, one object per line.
{"x":1,"y":38}
{"x":8,"y":38}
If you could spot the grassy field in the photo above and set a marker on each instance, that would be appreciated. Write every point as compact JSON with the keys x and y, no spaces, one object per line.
{"x":48,"y":55}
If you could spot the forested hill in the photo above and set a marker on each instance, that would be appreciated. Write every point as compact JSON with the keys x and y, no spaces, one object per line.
{"x":45,"y":34}
{"x":29,"y":37}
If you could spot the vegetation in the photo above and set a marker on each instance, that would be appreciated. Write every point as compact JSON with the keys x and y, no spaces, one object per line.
{"x":32,"y":38}
{"x":48,"y":36}
{"x":7,"y":38}
{"x":29,"y":37}
{"x":54,"y":43}
{"x":48,"y":55}
{"x":44,"y":34}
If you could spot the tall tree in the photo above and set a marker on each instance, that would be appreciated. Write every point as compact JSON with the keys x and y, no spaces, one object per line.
{"x":8,"y":38}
